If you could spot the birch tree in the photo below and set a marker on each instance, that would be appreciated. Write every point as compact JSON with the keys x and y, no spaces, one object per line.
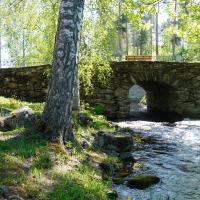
{"x":58,"y":108}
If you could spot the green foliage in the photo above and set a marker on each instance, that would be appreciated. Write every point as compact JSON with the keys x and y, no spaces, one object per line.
{"x":98,"y":109}
{"x":93,"y":66}
{"x":28,"y":29}
{"x":143,"y":101}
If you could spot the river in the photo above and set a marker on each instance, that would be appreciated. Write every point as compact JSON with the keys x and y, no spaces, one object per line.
{"x":175,"y":158}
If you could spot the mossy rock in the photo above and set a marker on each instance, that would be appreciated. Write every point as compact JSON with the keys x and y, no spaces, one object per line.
{"x":142,"y":181}
{"x":118,"y":181}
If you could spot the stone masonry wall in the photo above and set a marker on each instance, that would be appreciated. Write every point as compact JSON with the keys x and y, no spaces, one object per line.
{"x":28,"y":83}
{"x":170,"y":87}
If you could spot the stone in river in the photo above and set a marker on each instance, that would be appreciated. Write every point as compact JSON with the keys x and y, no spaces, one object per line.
{"x":142,"y":181}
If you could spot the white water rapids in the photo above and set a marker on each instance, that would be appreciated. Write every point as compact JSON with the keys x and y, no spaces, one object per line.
{"x":175,"y":158}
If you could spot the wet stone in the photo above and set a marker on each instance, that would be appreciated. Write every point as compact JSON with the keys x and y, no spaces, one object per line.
{"x":142,"y":181}
{"x":127,"y":157}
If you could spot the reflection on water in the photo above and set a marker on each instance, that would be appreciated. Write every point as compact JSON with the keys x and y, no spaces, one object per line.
{"x":175,"y":158}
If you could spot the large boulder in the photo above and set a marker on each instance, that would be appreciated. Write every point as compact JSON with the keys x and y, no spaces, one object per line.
{"x":119,"y":142}
{"x":22,"y":117}
{"x":142,"y":181}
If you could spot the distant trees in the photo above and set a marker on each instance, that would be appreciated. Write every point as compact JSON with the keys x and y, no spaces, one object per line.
{"x":111,"y":30}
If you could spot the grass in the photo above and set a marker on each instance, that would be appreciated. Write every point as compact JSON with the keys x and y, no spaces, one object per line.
{"x":34,"y":168}
{"x":13,"y":104}
{"x":83,"y":184}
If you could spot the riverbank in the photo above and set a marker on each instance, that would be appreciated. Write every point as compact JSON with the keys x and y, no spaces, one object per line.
{"x":173,"y":156}
{"x":31,"y":168}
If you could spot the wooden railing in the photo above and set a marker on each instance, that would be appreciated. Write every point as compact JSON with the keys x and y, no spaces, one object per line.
{"x":139,"y":58}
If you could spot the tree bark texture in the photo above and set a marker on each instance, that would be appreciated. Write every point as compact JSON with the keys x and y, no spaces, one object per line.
{"x":58,"y":108}
{"x":76,"y":98}
{"x":0,"y":49}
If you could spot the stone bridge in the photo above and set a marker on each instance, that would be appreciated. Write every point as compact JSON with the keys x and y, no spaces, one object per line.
{"x":170,"y":87}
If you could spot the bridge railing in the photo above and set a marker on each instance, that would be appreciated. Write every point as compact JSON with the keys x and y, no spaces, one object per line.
{"x":156,"y":58}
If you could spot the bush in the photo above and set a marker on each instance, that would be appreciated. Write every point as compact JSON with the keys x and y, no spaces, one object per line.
{"x":98,"y":109}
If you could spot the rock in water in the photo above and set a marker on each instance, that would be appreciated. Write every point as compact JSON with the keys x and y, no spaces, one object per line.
{"x":142,"y":181}
{"x":127,"y":157}
{"x":118,"y":181}
{"x":112,"y":195}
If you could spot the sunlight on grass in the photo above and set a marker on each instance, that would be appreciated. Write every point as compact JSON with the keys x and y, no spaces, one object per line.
{"x":13,"y":104}
{"x":82,"y":184}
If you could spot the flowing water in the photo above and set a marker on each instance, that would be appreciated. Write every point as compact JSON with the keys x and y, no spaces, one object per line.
{"x":175,"y":158}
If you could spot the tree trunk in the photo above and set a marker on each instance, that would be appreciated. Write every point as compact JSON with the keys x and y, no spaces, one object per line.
{"x":76,"y":97}
{"x":58,"y":108}
{"x":133,"y":41}
{"x":157,"y":29}
{"x":151,"y":36}
{"x":120,"y":35}
{"x":0,"y":50}
{"x":0,"y":43}
{"x":174,"y":35}
{"x":23,"y":49}
{"x":127,"y":41}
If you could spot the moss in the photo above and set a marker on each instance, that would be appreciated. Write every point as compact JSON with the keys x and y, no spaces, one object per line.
{"x":118,"y":181}
{"x":142,"y":181}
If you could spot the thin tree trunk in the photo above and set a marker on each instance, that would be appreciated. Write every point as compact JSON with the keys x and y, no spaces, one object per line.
{"x":174,"y":36}
{"x":119,"y":34}
{"x":58,"y":108}
{"x":127,"y":46}
{"x":0,"y":50}
{"x":0,"y":43}
{"x":133,"y":40}
{"x":151,"y":37}
{"x":157,"y":29}
{"x":23,"y":49}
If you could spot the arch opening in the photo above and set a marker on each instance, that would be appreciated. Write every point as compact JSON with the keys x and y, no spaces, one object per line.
{"x":138,"y":100}
{"x":153,"y":101}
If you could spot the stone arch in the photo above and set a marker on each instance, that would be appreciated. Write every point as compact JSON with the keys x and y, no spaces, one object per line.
{"x":160,"y":97}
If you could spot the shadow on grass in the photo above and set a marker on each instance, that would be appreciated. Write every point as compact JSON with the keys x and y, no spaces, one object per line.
{"x":24,"y":144}
{"x":13,"y":153}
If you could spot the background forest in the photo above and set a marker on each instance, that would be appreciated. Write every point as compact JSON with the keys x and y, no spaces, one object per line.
{"x":169,"y":30}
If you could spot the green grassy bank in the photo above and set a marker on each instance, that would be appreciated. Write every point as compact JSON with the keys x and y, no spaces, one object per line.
{"x":33,"y":168}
